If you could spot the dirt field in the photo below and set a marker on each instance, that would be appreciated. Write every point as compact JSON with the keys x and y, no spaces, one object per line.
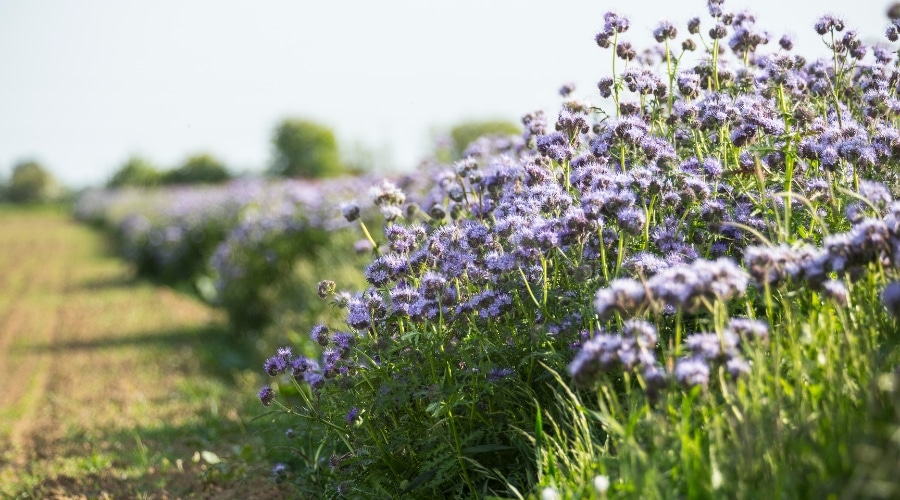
{"x":112,"y":387}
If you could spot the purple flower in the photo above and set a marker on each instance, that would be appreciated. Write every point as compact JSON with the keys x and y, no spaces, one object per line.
{"x":350,"y":211}
{"x":402,"y":297}
{"x":631,"y":220}
{"x":358,"y":316}
{"x":266,"y":395}
{"x":836,"y":291}
{"x":615,"y":23}
{"x":890,"y":297}
{"x":737,"y":367}
{"x":664,"y":31}
{"x":315,"y":379}
{"x":555,"y":145}
{"x":827,"y":23}
{"x":689,"y":84}
{"x":362,"y":246}
{"x":605,"y":85}
{"x":343,"y":341}
{"x":319,"y":334}
{"x":623,"y":295}
{"x":786,"y":42}
{"x":750,"y":329}
{"x":497,"y":374}
{"x":625,"y":51}
{"x":655,"y":378}
{"x":692,"y":372}
{"x":711,"y":347}
{"x":694,"y":25}
{"x":279,"y":362}
{"x":713,"y":167}
{"x":301,"y":365}
{"x":386,"y":268}
{"x":403,"y":240}
{"x":595,"y":357}
{"x":352,"y":414}
{"x":279,"y":472}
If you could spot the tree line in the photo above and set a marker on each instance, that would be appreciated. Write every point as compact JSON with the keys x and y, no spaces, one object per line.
{"x":300,"y":149}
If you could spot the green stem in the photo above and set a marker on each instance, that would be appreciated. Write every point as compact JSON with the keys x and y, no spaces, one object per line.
{"x":459,"y":457}
{"x":369,"y":236}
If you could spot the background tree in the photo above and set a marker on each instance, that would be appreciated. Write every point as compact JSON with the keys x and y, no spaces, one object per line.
{"x":464,"y":133}
{"x":305,"y":149}
{"x":31,"y":183}
{"x":136,"y":172}
{"x":198,"y":169}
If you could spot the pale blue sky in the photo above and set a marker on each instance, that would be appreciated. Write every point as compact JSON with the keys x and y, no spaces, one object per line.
{"x":84,"y":84}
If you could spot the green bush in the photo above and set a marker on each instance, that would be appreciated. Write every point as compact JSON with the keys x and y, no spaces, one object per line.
{"x":305,"y":149}
{"x":32,"y":183}
{"x":198,"y":169}
{"x":136,"y":172}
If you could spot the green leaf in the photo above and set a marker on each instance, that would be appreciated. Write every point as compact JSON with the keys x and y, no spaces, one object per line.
{"x":485,"y":448}
{"x":419,"y":481}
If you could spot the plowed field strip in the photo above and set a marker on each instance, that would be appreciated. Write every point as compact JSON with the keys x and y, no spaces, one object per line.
{"x":101,"y":391}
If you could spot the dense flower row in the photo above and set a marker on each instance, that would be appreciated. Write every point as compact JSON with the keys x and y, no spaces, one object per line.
{"x":242,"y":235}
{"x":644,"y":207}
{"x":169,"y":231}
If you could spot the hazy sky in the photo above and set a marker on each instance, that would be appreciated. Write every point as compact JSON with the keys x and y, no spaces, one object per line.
{"x":86,"y":83}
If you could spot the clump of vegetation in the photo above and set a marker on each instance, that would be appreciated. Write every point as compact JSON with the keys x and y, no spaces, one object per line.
{"x":31,"y":182}
{"x":136,"y":172}
{"x":198,"y":169}
{"x":689,"y":290}
{"x":305,"y":149}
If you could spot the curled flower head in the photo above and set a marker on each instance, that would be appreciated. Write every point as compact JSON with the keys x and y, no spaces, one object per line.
{"x":350,"y":211}
{"x":319,"y":334}
{"x":352,"y":415}
{"x":665,"y":31}
{"x":827,"y":23}
{"x":694,"y":25}
{"x":279,"y":362}
{"x":786,"y":42}
{"x":566,"y":89}
{"x":325,"y":288}
{"x":893,"y":11}
{"x":625,"y":51}
{"x":605,"y":85}
{"x":266,"y":395}
{"x":386,"y":193}
{"x":615,"y":23}
{"x":279,"y":472}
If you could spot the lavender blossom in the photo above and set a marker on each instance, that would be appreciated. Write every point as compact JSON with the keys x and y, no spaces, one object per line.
{"x":266,"y":395}
{"x":692,"y":372}
{"x":665,"y":31}
{"x":749,"y":329}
